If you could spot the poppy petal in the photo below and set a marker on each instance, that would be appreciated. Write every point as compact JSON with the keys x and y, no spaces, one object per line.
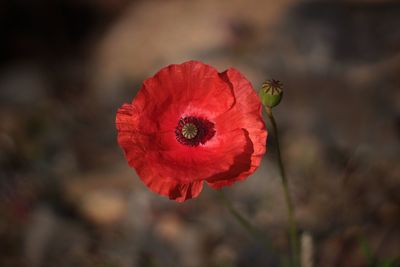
{"x":247,"y":112}
{"x":171,"y":172}
{"x":176,"y":90}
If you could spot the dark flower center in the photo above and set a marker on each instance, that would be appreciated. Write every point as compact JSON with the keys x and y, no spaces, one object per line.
{"x":192,"y":131}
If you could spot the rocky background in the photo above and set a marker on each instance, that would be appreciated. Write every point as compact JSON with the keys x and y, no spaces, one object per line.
{"x":68,"y":197}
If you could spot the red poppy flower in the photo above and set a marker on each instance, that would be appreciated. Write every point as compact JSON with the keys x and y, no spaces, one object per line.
{"x":189,"y":124}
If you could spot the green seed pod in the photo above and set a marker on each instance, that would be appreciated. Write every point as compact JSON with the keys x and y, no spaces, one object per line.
{"x":271,"y":93}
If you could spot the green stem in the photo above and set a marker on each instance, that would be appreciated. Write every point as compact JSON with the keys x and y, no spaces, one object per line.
{"x":243,"y":221}
{"x":294,"y":240}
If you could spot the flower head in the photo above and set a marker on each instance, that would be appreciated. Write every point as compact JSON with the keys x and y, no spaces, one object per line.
{"x":188,"y":125}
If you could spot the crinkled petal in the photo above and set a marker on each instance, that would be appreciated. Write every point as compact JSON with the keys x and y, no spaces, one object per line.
{"x":241,"y":165}
{"x":246,"y":112}
{"x":136,"y":145}
{"x":175,"y":190}
{"x":177,"y":172}
{"x":202,"y":162}
{"x":180,"y":89}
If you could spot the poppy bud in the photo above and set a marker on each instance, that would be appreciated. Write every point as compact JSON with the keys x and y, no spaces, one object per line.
{"x":271,"y":93}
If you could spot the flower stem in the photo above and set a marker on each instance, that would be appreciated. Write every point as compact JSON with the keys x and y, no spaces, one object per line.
{"x":243,"y":221}
{"x":294,"y":240}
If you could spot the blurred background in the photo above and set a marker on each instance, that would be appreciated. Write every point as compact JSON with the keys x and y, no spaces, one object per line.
{"x":68,"y":197}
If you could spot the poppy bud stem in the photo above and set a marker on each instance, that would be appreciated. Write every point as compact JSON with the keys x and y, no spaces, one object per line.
{"x":294,"y":240}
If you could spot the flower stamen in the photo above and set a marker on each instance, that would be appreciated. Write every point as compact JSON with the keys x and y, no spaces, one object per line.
{"x":189,"y":130}
{"x":193,"y":131}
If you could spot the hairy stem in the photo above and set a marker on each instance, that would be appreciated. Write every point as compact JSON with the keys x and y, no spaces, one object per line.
{"x":294,"y":240}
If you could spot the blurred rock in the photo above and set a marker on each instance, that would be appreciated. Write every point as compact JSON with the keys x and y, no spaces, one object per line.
{"x":52,"y":241}
{"x":101,"y":198}
{"x":170,"y":228}
{"x":224,"y":255}
{"x":103,"y":207}
{"x":39,"y":234}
